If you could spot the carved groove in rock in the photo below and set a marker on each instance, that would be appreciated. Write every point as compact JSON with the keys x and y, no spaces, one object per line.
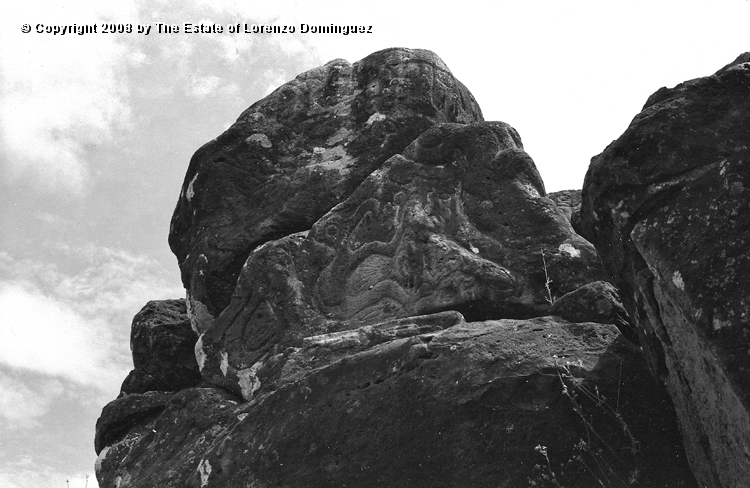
{"x":370,"y":269}
{"x":417,"y":237}
{"x":295,"y":154}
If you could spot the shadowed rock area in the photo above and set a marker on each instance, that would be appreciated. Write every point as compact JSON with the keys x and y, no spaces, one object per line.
{"x":462,"y":406}
{"x":163,"y":345}
{"x":384,"y":296}
{"x":668,"y":207}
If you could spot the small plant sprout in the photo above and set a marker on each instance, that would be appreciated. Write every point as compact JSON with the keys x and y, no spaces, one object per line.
{"x":547,"y":280}
{"x":551,"y":476}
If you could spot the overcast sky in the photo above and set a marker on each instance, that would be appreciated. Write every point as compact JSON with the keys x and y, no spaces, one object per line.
{"x":96,"y":132}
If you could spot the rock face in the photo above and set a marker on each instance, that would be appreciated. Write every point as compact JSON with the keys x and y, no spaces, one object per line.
{"x":297,"y":153}
{"x":385,"y":296}
{"x":458,"y":222}
{"x":597,"y":302}
{"x":163,"y":345}
{"x":569,"y":201}
{"x":668,"y":207}
{"x":461,"y":405}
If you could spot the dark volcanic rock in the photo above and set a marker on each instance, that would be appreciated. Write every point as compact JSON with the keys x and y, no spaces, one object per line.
{"x":295,"y":154}
{"x":668,"y":207}
{"x":463,"y":406}
{"x":459,"y":222}
{"x":163,"y":346}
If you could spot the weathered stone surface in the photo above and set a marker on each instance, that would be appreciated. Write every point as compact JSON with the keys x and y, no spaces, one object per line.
{"x":597,"y":302}
{"x":464,"y":405}
{"x":157,"y":438}
{"x":668,"y":207}
{"x":569,"y":202}
{"x":295,"y":154}
{"x":334,"y":244}
{"x":163,"y":346}
{"x":458,"y":222}
{"x":122,"y":415}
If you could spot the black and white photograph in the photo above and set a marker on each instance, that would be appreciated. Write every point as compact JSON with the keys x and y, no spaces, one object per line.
{"x":485,"y":244}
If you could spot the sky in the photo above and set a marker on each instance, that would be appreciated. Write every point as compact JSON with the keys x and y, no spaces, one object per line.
{"x":96,"y":132}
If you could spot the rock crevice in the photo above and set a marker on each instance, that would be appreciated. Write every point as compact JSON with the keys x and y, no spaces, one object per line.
{"x":666,"y":206}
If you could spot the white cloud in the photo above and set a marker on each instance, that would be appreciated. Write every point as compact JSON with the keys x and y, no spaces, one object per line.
{"x":21,"y":406}
{"x":177,"y":47}
{"x":61,"y":95}
{"x":28,"y":473}
{"x":202,"y":86}
{"x":64,"y":351}
{"x":76,"y":326}
{"x":45,"y":335}
{"x":234,"y":46}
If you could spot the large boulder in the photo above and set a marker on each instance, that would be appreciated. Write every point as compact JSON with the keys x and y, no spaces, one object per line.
{"x":163,"y":345}
{"x":668,"y":207}
{"x":598,"y":302}
{"x":434,"y":403}
{"x":460,"y":222}
{"x":297,"y":153}
{"x":372,"y":273}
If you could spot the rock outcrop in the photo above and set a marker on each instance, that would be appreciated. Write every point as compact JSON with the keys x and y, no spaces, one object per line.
{"x":163,"y":346}
{"x":598,"y":302}
{"x":294,"y":155}
{"x":569,"y":201}
{"x":458,"y":222}
{"x":668,"y":207}
{"x":385,"y":296}
{"x":430,"y":402}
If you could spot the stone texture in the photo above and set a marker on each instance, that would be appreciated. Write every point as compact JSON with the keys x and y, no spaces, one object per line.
{"x":668,"y":207}
{"x":464,"y":404}
{"x":569,"y":202}
{"x":163,"y":346}
{"x":597,"y":302}
{"x":458,"y":222}
{"x":371,"y":270}
{"x":295,"y":154}
{"x":157,"y":438}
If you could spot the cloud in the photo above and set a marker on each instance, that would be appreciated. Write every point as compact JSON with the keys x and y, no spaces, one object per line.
{"x":201,"y":86}
{"x":75,"y":326}
{"x":235,"y":46}
{"x":45,"y":335}
{"x":28,"y":473}
{"x":21,"y":406}
{"x":61,"y":96}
